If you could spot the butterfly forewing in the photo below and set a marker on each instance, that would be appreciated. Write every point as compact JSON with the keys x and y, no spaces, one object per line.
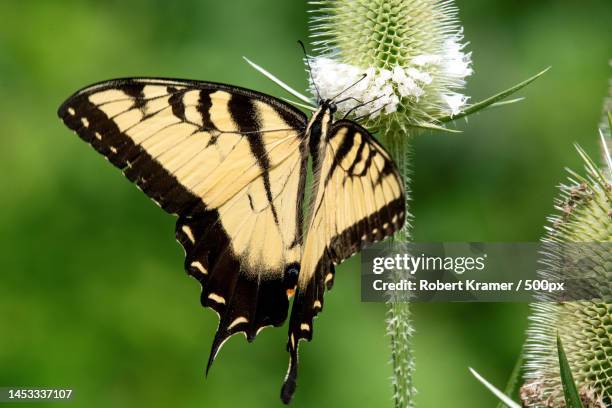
{"x":230,"y":163}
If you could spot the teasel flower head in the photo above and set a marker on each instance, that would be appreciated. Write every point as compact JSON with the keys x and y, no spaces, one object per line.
{"x":408,"y":58}
{"x":583,"y":221}
{"x":391,"y":65}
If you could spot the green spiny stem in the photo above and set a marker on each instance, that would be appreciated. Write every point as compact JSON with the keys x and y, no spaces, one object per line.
{"x":399,"y":324}
{"x":399,"y":329}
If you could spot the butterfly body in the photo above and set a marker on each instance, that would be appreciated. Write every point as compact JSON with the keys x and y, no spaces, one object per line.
{"x":231,"y":163}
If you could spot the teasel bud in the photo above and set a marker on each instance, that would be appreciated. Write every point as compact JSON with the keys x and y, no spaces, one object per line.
{"x":583,"y":219}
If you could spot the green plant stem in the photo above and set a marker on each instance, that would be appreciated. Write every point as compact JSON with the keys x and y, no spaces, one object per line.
{"x":399,"y":324}
{"x":399,"y":328}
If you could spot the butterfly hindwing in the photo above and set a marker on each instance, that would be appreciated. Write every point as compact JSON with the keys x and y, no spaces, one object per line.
{"x":359,"y":199}
{"x":231,"y":163}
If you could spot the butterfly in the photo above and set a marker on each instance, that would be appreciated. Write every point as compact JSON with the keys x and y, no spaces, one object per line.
{"x":232,"y":164}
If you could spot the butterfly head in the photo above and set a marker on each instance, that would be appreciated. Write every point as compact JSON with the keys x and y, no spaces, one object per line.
{"x":332,"y":106}
{"x":322,"y":118}
{"x":328,"y":105}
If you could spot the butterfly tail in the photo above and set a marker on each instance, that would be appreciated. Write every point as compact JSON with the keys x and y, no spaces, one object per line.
{"x":218,"y":341}
{"x":290,"y":382}
{"x":307,"y":304}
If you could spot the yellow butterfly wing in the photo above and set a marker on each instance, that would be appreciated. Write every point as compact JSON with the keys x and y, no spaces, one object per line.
{"x":231,"y":163}
{"x":358,"y":199}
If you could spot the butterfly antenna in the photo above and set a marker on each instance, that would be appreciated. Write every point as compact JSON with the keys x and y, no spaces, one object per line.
{"x":354,"y":108}
{"x":357,"y":119}
{"x":309,"y":69}
{"x":350,"y":86}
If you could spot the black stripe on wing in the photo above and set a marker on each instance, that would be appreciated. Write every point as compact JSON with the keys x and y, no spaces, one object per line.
{"x":244,"y":114}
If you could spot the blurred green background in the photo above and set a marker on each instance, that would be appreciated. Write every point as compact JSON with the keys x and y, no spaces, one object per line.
{"x":92,"y":291}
